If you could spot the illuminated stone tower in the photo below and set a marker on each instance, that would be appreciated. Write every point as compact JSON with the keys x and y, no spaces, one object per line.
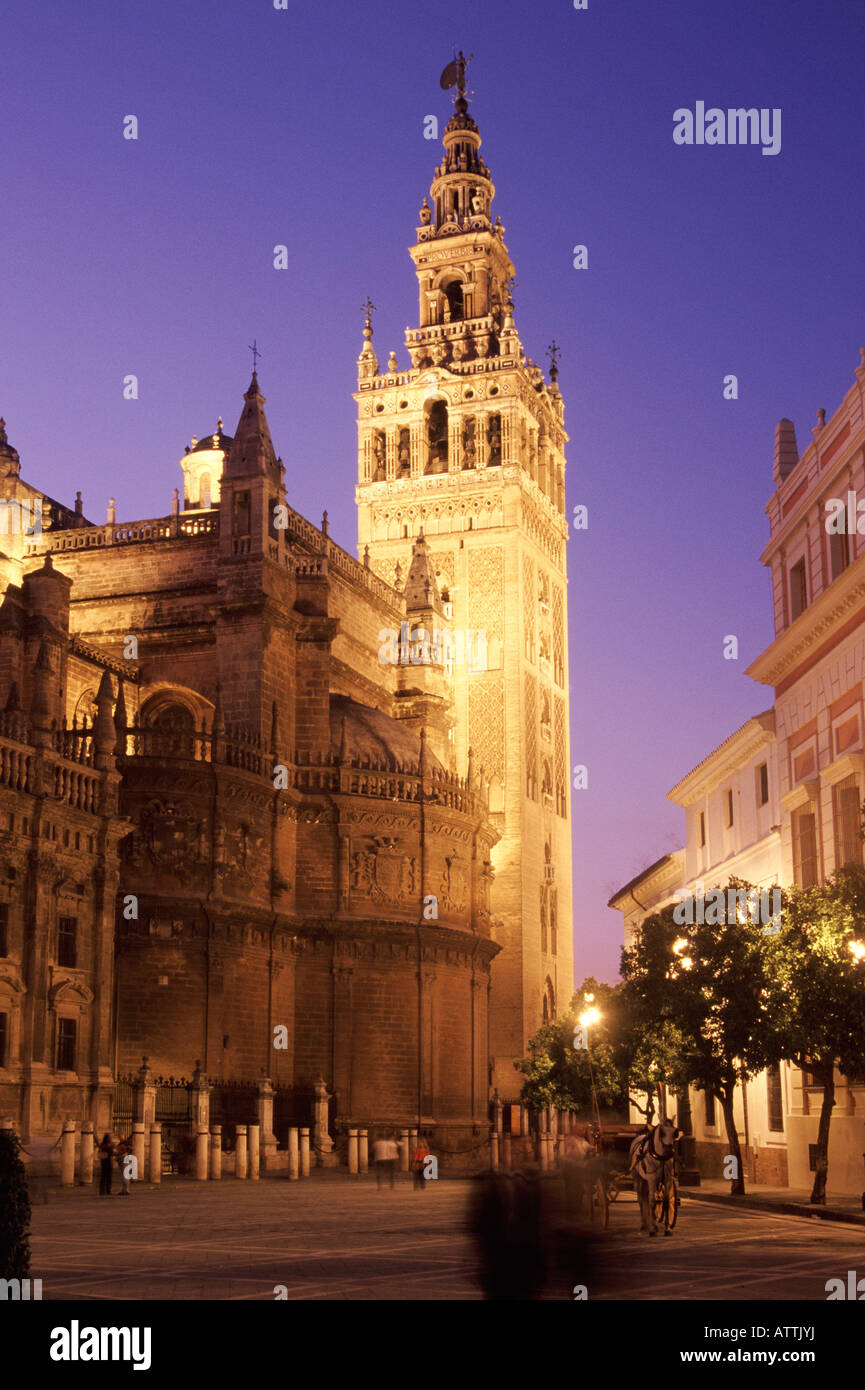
{"x":467,"y":448}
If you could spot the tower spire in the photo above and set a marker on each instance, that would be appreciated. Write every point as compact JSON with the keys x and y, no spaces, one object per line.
{"x":252,"y":452}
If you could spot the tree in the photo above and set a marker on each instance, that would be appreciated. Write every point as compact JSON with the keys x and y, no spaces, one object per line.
{"x":14,"y":1210}
{"x":817,"y":989}
{"x":559,"y":1073}
{"x":706,"y":981}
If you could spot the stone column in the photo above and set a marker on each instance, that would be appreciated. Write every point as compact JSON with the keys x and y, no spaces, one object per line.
{"x":138,"y":1141}
{"x":494,"y":1148}
{"x":254,"y":1152}
{"x":241,"y":1153}
{"x":144,"y":1097}
{"x":506,"y":1151}
{"x":352,"y":1151}
{"x":543,"y":1154}
{"x":215,"y":1152}
{"x":404,"y":1156}
{"x":67,"y":1154}
{"x":304,"y":1153}
{"x":321,"y":1140}
{"x":201,"y":1156}
{"x":363,"y":1151}
{"x":497,"y":1112}
{"x":293,"y":1155}
{"x":265,"y":1120}
{"x":85,"y":1158}
{"x":199,"y":1101}
{"x":525,"y":1129}
{"x":154,"y":1172}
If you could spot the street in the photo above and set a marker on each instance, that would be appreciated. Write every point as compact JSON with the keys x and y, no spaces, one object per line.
{"x":329,"y":1238}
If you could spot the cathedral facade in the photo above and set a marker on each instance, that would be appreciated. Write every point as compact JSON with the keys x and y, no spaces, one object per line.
{"x":242,"y":827}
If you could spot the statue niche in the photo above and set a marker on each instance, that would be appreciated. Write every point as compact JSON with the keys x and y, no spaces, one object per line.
{"x":403,"y":468}
{"x":469,"y":448}
{"x":494,"y":441}
{"x":379,"y":446}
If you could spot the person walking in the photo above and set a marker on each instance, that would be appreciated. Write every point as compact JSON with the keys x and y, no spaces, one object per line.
{"x":124,"y":1156}
{"x":421,"y":1154}
{"x":106,"y":1155}
{"x":384,"y":1155}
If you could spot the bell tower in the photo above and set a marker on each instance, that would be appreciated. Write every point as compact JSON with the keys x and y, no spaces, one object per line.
{"x":466,"y":448}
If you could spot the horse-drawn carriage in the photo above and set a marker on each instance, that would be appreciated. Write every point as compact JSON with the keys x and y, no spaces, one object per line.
{"x":610,"y":1172}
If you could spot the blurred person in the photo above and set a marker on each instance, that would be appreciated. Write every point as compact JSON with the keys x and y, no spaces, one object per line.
{"x":106,"y":1155}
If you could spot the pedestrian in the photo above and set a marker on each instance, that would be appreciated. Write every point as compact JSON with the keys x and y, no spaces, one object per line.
{"x":419,"y":1158}
{"x":106,"y":1154}
{"x":507,"y":1220}
{"x":384,"y":1156}
{"x":125,"y":1162}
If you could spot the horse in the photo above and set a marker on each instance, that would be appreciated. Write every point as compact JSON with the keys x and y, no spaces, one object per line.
{"x":651,"y":1161}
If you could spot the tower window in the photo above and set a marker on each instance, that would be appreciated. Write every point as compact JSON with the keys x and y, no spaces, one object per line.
{"x":67,"y":1029}
{"x":437,"y":438}
{"x":839,"y":549}
{"x":454,"y":296}
{"x":762,"y":784}
{"x":67,"y":942}
{"x":798,"y":590}
{"x":494,"y":440}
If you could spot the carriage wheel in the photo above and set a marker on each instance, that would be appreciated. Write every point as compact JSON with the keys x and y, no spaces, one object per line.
{"x":600,"y":1201}
{"x":671,"y":1203}
{"x":658,"y":1204}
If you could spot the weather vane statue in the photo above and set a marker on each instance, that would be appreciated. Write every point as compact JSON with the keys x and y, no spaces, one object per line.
{"x":454,"y":75}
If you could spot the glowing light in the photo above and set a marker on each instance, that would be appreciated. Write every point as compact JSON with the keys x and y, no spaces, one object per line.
{"x":856,"y":949}
{"x":589,"y":1016}
{"x":679,"y":946}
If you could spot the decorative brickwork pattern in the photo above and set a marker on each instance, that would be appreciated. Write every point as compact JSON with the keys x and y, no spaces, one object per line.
{"x":531,"y":705}
{"x":561,"y":759}
{"x":528,"y":608}
{"x":558,"y":637}
{"x":486,"y":590}
{"x":487,"y":724}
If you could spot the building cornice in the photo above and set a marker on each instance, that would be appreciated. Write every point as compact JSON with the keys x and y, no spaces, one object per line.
{"x":816,"y":627}
{"x":729,"y":756}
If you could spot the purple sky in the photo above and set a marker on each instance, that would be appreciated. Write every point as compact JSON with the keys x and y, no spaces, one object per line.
{"x":305,"y":127}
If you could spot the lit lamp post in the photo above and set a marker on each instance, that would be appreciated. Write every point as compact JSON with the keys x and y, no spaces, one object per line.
{"x":689,"y":1173}
{"x":587,"y":1018}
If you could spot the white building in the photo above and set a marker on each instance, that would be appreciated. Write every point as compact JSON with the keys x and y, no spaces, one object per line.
{"x":779,"y":800}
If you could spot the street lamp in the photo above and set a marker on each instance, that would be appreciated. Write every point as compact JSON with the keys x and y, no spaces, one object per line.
{"x":587,"y":1018}
{"x":856,"y":949}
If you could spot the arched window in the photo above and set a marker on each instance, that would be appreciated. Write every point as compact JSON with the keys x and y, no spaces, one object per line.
{"x":454,"y":295}
{"x":172,"y":731}
{"x":437,"y":438}
{"x":549,"y":1007}
{"x":204,"y":490}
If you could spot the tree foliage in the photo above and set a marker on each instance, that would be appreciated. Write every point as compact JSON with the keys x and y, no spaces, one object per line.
{"x":14,"y":1210}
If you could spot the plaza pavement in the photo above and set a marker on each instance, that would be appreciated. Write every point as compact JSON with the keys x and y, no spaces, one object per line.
{"x":332,"y":1237}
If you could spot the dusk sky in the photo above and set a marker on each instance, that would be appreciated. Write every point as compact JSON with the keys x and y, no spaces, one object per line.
{"x":304,"y":127}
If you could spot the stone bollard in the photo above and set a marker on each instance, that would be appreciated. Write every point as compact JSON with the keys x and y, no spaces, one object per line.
{"x":352,"y":1151}
{"x":215,"y":1153}
{"x":304,"y":1153}
{"x":138,"y":1148}
{"x":363,"y":1151}
{"x":67,"y":1154}
{"x":241,"y":1153}
{"x":293,"y":1155}
{"x":154,"y":1172}
{"x":506,"y":1150}
{"x":404,"y":1156}
{"x":201,"y":1145}
{"x":494,"y":1148}
{"x":543,"y":1151}
{"x":255,"y":1151}
{"x":412,"y":1145}
{"x":85,"y":1157}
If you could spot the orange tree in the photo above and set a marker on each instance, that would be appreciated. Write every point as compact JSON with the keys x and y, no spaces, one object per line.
{"x":815,"y":971}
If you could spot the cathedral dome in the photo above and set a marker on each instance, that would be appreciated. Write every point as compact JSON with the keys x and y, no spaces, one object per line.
{"x":369,"y":733}
{"x":215,"y":440}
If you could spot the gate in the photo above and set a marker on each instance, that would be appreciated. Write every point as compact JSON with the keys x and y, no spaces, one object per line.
{"x":292,"y":1108}
{"x":172,"y":1112}
{"x":122,"y":1107}
{"x":233,"y":1103}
